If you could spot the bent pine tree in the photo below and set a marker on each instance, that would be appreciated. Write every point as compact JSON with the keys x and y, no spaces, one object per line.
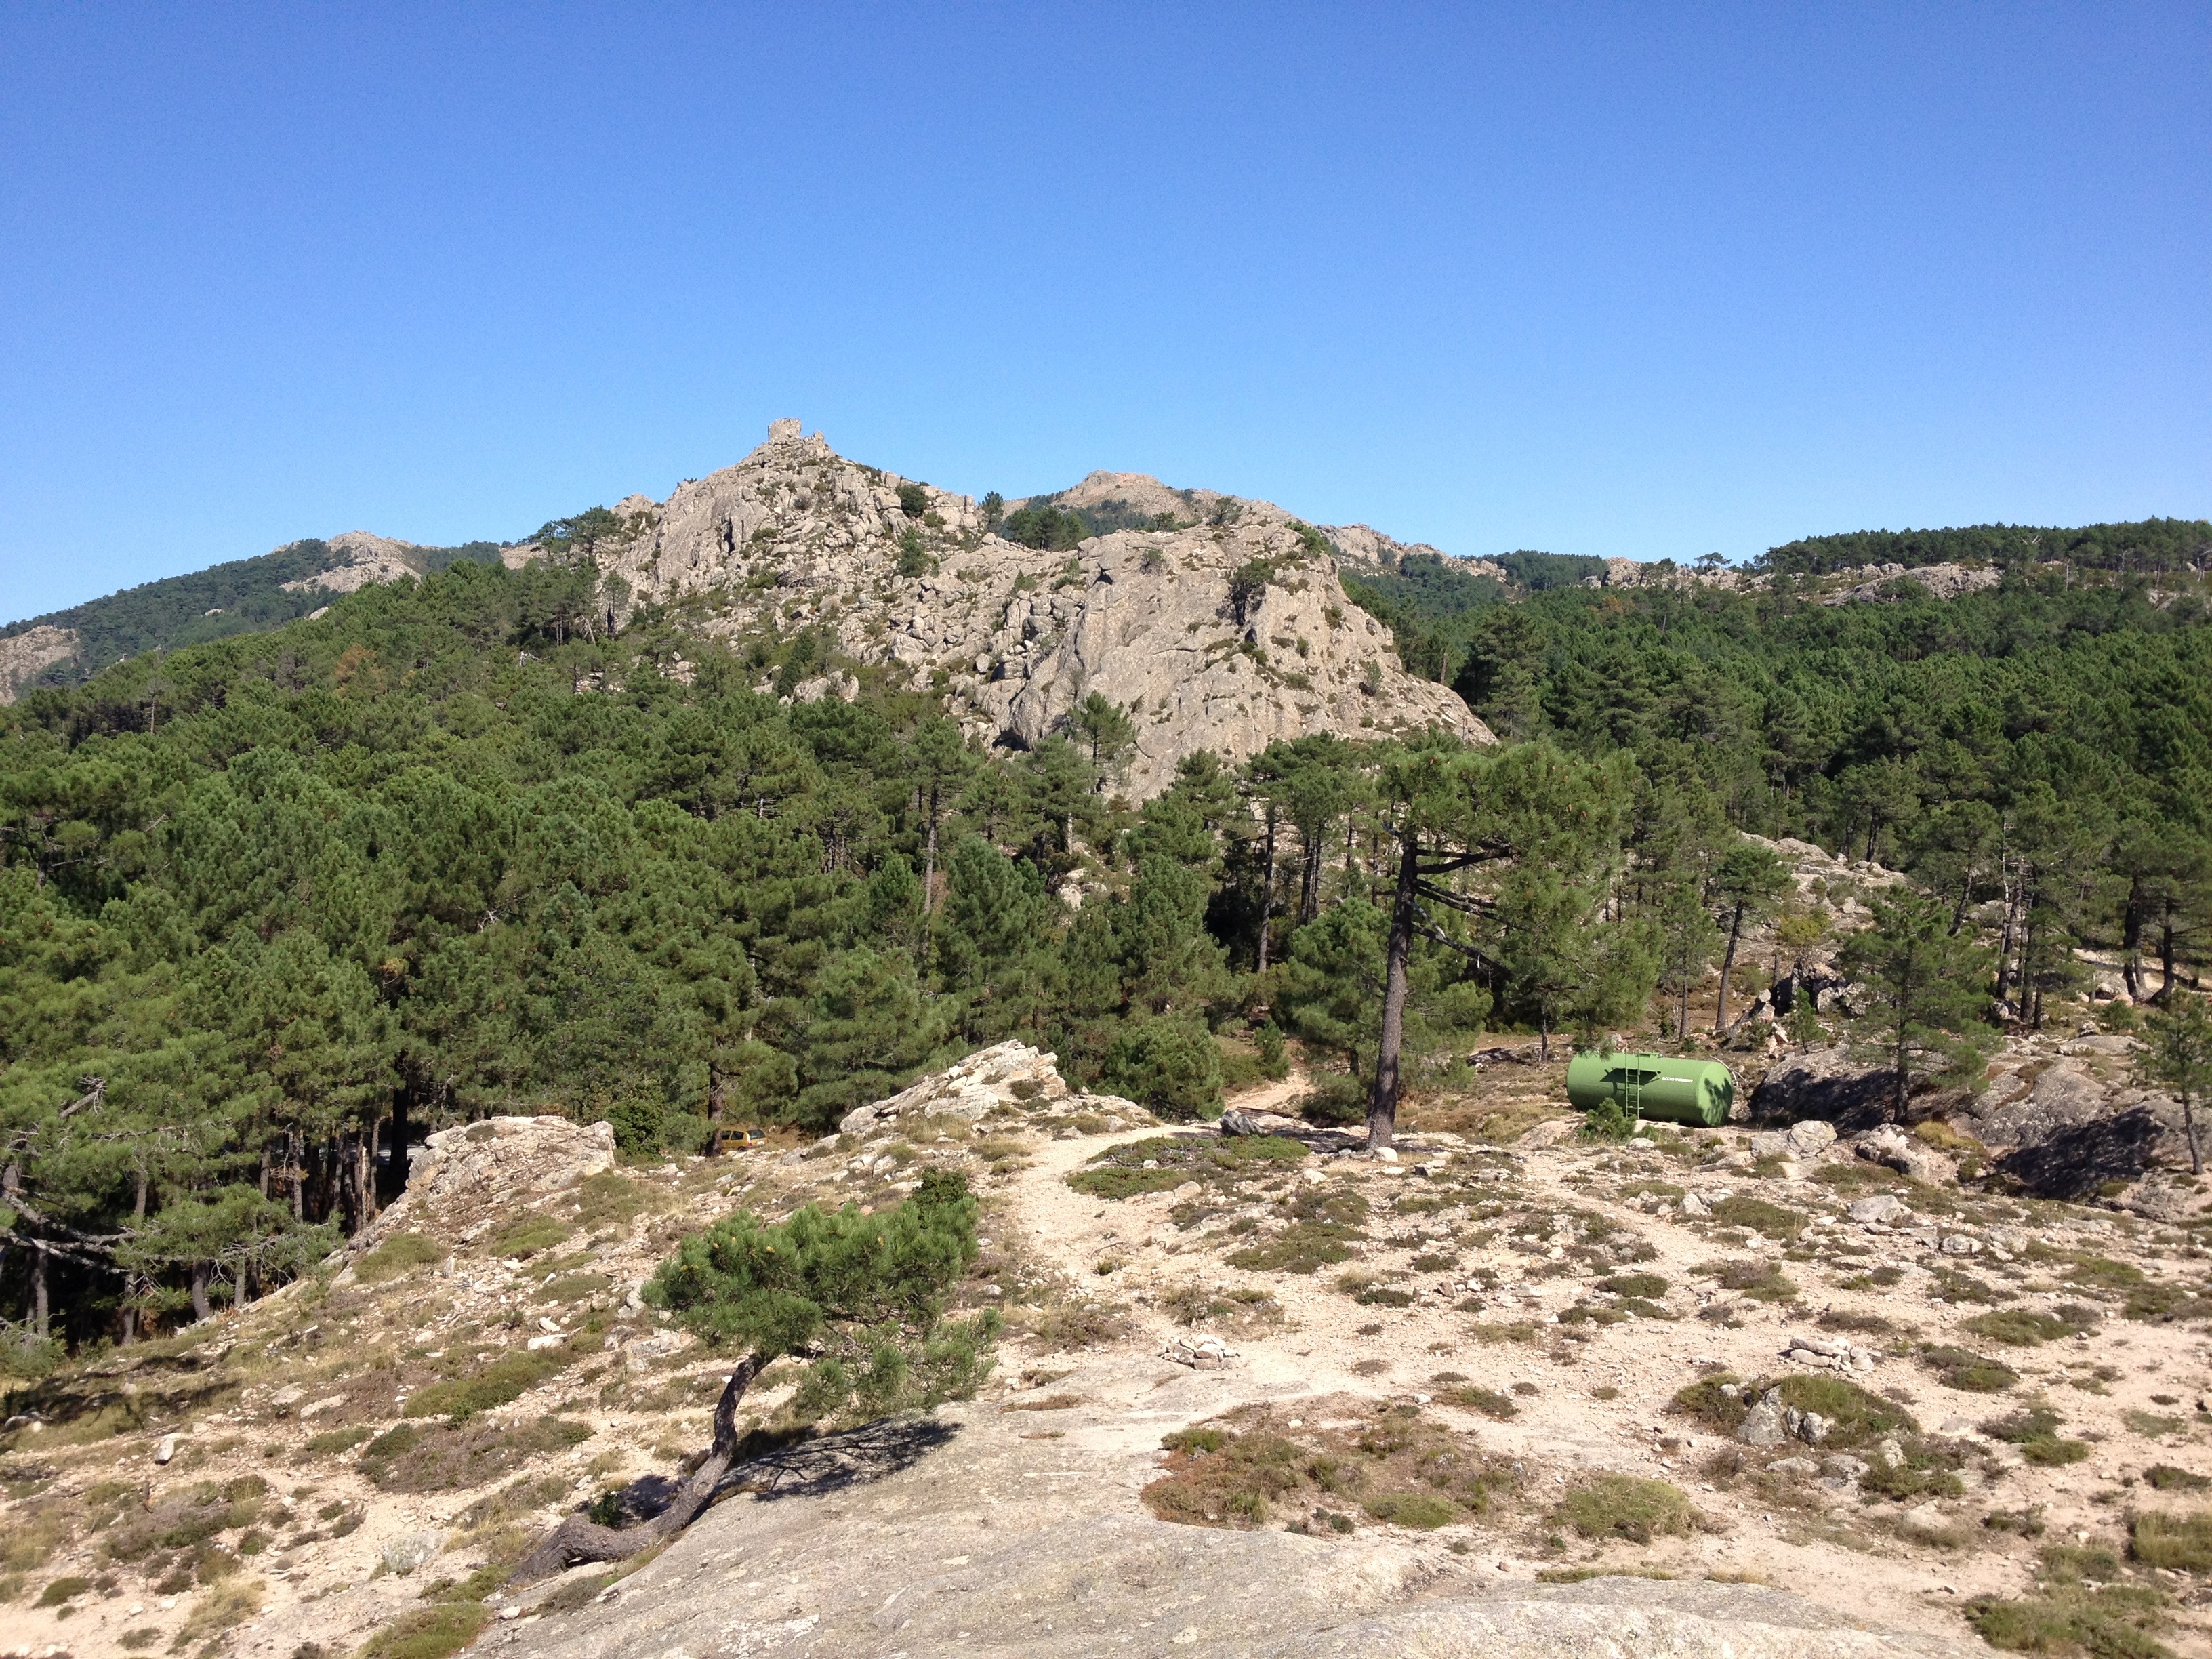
{"x":863,"y":1297}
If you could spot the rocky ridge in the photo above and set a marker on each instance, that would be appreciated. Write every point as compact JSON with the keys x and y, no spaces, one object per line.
{"x":361,"y":558}
{"x":24,"y":656}
{"x":1224,"y":633}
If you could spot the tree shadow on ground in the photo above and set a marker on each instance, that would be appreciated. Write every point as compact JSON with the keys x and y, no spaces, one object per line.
{"x":854,"y":1457}
{"x":803,"y":1467}
{"x":2078,"y":1160}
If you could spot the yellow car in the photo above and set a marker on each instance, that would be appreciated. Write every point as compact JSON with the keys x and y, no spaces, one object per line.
{"x":738,"y":1141}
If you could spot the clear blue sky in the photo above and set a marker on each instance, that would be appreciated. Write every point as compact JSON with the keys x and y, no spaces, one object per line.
{"x":1629,"y":280}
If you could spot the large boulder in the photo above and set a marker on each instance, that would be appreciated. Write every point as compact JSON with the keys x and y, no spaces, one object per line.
{"x":966,"y":1535}
{"x":1826,"y":1083}
{"x":1008,"y":1079}
{"x":475,"y":1173}
{"x":2068,"y":1119}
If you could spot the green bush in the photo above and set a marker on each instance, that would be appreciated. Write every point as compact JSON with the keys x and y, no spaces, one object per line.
{"x":645,"y":1124}
{"x":400,"y":1254}
{"x":2018,"y":1328}
{"x":24,"y":1354}
{"x":1274,"y":1052}
{"x":1488,"y":1401}
{"x":331,"y":1441}
{"x":1625,"y":1506}
{"x":507,"y":1378}
{"x":1972,"y":1373}
{"x":2165,"y":1477}
{"x":1609,"y":1121}
{"x":527,"y":1235}
{"x":432,"y":1632}
{"x":1855,"y":1417}
{"x":1337,"y":1100}
{"x":1168,"y":1063}
{"x":2035,"y":1432}
{"x":451,"y":1457}
{"x":2183,"y":1542}
{"x":1419,"y":1509}
{"x":1740,"y":1210}
{"x":1762,"y":1281}
{"x":1120,"y":1172}
{"x":914,"y":558}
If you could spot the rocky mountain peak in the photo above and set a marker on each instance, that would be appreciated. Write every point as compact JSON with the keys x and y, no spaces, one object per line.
{"x":1225,"y":632}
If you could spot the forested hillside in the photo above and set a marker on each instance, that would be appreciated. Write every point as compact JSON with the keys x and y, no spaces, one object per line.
{"x":242,"y":596}
{"x":2145,"y":547}
{"x":272,"y":903}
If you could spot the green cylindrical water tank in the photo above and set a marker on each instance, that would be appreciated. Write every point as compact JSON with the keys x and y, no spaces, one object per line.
{"x":1656,"y":1085}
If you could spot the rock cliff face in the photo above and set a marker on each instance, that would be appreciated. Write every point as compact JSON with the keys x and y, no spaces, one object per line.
{"x":24,"y":656}
{"x":361,"y":558}
{"x":1223,"y":633}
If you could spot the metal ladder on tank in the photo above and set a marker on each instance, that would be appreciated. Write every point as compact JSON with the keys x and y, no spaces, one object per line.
{"x":1631,"y":1094}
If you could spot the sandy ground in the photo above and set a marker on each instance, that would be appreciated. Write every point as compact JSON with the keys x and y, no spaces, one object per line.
{"x":244,"y":1397}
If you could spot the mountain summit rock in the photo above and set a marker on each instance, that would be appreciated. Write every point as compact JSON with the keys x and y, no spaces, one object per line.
{"x":1221,"y":625}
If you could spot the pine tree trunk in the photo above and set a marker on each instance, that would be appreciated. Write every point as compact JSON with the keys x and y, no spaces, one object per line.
{"x":578,"y":1539}
{"x":2005,"y":939}
{"x":1383,"y":1103}
{"x":403,"y":1103}
{"x":1268,"y":891}
{"x":41,"y":1308}
{"x":929,"y":859}
{"x":202,"y":1308}
{"x":368,"y":1144}
{"x":1727,"y":967}
{"x":2188,"y":1129}
{"x":2131,"y":931}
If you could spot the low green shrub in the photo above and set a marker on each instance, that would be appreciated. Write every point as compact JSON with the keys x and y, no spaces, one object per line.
{"x":1421,"y":1510}
{"x":1627,"y":1506}
{"x":2165,"y":1477}
{"x":1969,"y":1372}
{"x":432,"y":1632}
{"x":2183,"y":1542}
{"x":400,"y":1254}
{"x":1488,"y":1401}
{"x":2019,"y":1327}
{"x":527,"y":1235}
{"x":507,"y":1378}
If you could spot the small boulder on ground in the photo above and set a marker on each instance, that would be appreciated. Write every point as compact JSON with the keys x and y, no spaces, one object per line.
{"x":1234,"y":1122}
{"x":1762,"y":1425}
{"x":1885,"y":1208}
{"x":411,"y":1550}
{"x":1891,"y":1147}
{"x":1205,"y":1353}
